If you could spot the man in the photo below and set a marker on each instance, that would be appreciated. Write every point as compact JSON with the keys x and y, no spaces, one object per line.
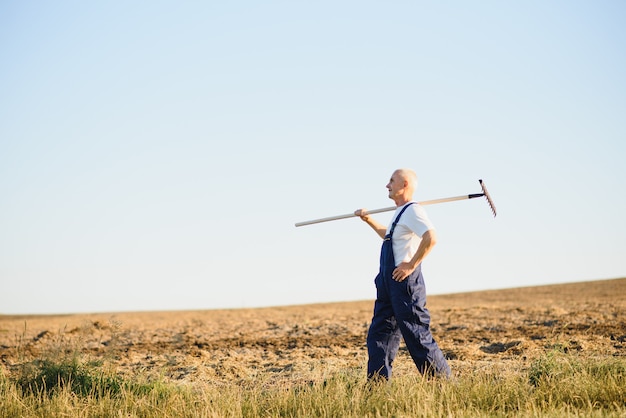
{"x":400,"y":308}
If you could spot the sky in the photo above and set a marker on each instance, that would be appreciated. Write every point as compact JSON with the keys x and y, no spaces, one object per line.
{"x":156,"y":155}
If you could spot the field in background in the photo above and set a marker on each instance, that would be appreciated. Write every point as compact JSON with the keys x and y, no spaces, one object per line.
{"x":501,"y":334}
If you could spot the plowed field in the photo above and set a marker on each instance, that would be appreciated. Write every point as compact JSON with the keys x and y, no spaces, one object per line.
{"x":498,"y":329}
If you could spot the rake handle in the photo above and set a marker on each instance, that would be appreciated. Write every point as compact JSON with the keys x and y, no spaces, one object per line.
{"x":389,"y":209}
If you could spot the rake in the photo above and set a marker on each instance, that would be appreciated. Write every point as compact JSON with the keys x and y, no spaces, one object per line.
{"x":484,"y":193}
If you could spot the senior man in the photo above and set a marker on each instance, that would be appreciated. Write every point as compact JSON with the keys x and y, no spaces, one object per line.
{"x":400,"y":307}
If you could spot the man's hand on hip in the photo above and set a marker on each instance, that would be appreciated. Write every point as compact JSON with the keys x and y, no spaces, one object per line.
{"x":402,"y":271}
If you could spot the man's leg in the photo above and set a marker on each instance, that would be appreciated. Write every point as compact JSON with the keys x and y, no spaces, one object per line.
{"x":383,"y":340}
{"x":383,"y":336}
{"x":413,"y":319}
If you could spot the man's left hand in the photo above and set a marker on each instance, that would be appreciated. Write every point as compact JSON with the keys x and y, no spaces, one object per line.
{"x":401,"y":272}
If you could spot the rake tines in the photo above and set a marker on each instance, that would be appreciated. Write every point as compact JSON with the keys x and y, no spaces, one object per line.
{"x":486,"y":194}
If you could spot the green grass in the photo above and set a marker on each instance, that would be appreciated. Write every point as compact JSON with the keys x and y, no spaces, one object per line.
{"x":557,"y":384}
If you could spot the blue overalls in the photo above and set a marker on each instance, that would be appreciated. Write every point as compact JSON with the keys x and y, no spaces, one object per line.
{"x":400,"y":311}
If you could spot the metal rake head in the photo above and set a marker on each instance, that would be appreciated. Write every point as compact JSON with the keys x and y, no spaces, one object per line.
{"x":488,"y":197}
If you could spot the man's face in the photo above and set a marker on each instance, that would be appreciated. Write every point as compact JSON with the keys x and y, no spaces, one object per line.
{"x":395,"y":185}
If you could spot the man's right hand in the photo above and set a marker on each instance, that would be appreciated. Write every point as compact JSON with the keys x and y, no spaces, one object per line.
{"x":362,"y":213}
{"x":380,"y":229}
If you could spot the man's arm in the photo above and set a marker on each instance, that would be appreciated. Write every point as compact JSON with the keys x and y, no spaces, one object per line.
{"x":429,"y":239}
{"x":379,"y":228}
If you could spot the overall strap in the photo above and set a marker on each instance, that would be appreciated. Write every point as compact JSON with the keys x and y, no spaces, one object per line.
{"x":393,"y":226}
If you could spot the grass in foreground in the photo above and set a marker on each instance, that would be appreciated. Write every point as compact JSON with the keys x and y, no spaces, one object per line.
{"x":557,"y":384}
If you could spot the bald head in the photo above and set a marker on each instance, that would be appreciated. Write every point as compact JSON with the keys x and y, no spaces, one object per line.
{"x":409,"y":176}
{"x":401,"y":185}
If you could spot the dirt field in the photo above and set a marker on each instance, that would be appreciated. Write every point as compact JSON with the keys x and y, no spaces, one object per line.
{"x":493,"y":329}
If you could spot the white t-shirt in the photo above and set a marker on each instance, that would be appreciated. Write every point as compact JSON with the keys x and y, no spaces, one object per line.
{"x":408,"y":233}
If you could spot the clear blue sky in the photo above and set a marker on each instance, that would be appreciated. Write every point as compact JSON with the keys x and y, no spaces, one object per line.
{"x":156,"y":155}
